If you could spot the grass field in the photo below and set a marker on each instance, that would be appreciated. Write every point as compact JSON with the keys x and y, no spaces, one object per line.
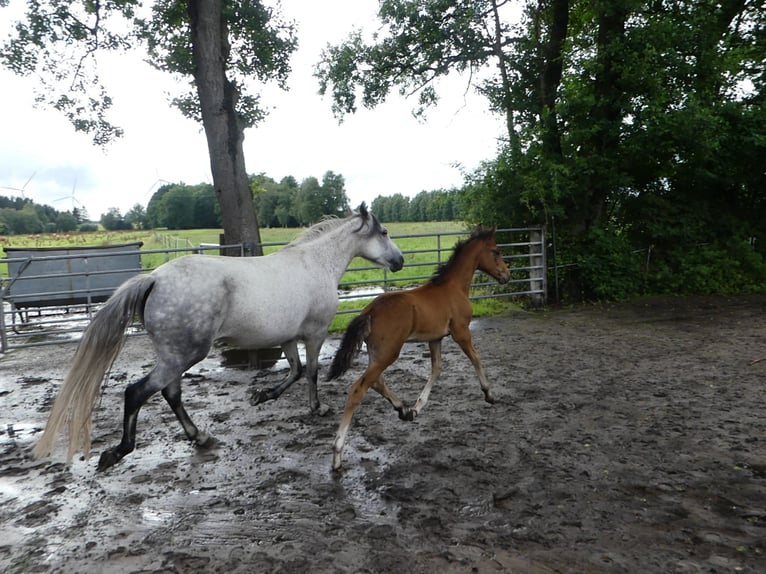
{"x":421,"y":243}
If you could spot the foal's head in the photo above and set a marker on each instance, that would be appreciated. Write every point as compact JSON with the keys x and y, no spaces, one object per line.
{"x":490,"y":260}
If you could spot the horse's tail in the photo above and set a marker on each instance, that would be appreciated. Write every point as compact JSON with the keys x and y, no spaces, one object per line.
{"x":352,"y":341}
{"x":98,"y":348}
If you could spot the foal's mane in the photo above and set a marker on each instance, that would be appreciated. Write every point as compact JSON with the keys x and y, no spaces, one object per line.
{"x":477,"y":234}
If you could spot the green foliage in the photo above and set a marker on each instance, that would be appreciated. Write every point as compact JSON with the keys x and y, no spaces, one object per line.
{"x":181,"y":206}
{"x":438,"y":205}
{"x":20,"y":216}
{"x":289,"y":204}
{"x":258,"y":45}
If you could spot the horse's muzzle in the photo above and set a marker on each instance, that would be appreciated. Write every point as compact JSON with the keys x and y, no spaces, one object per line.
{"x":395,"y":264}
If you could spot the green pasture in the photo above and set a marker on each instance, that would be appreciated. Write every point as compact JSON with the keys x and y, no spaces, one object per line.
{"x":418,"y":242}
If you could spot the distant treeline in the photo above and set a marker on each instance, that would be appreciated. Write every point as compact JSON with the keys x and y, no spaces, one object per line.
{"x":285,"y":203}
{"x":20,"y":216}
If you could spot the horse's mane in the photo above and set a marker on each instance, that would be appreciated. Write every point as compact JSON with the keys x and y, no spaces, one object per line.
{"x":477,"y":234}
{"x":327,"y":223}
{"x":330,"y":222}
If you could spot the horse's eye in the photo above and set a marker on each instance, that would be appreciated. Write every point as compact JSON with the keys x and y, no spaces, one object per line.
{"x":384,"y":232}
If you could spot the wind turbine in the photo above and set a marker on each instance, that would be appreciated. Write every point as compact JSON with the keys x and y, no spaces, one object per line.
{"x":22,"y":188}
{"x":159,"y":181}
{"x":71,"y":196}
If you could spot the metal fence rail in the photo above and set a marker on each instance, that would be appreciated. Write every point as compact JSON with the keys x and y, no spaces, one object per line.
{"x":47,"y":314}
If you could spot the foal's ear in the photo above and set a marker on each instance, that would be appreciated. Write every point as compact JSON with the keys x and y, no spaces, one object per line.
{"x":363,"y":210}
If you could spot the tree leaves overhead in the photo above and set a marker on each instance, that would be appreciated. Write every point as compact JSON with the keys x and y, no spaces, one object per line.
{"x":59,"y":42}
{"x":260,"y":46}
{"x":418,"y":42}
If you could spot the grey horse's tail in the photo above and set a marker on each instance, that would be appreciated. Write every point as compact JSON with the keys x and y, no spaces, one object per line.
{"x":98,"y":348}
{"x":353,"y":338}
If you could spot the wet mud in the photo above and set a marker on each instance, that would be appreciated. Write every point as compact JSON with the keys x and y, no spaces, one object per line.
{"x":625,"y":438}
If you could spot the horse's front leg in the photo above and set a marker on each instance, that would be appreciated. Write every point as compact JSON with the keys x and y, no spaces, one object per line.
{"x":313,"y":346}
{"x":463,"y":338}
{"x":290,"y":349}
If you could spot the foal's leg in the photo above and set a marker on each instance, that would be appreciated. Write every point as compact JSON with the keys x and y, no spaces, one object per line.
{"x":290,"y":349}
{"x":462,"y":337}
{"x":398,"y":404}
{"x":435,"y":348}
{"x":355,"y":396}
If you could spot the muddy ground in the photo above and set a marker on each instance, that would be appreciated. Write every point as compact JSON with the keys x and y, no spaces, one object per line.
{"x":625,"y":438}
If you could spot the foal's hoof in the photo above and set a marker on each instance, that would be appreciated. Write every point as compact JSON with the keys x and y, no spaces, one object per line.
{"x":489,"y":398}
{"x":406,"y":414}
{"x":108,"y":458}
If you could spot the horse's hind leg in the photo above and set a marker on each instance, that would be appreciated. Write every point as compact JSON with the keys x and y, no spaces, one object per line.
{"x":167,"y":373}
{"x":136,"y":394}
{"x":290,"y":349}
{"x":172,"y":394}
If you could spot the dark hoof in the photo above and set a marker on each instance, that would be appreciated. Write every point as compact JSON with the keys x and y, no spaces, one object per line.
{"x":206,"y":442}
{"x":259,"y":396}
{"x":489,"y":398}
{"x":406,"y":414}
{"x":108,"y":458}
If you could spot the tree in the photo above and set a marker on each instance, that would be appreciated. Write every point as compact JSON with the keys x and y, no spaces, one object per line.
{"x":218,"y":44}
{"x":333,"y":197}
{"x":136,"y":217}
{"x":113,"y":220}
{"x":630,"y":125}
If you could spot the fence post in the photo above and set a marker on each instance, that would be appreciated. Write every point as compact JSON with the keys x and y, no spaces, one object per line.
{"x":537,"y":266}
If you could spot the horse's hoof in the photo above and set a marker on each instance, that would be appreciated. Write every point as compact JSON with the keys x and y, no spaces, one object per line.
{"x":204,"y":440}
{"x":257,"y":397}
{"x":108,"y":458}
{"x":489,"y":398}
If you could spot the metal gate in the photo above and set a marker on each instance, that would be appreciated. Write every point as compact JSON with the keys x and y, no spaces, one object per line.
{"x":49,"y":297}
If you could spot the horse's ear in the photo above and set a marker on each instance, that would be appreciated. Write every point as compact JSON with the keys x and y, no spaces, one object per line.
{"x":363,"y":210}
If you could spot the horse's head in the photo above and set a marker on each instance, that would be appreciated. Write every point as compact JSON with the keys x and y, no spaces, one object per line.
{"x":490,"y":260}
{"x":375,"y":243}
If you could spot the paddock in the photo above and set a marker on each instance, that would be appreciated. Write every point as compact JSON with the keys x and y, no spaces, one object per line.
{"x":624,"y":438}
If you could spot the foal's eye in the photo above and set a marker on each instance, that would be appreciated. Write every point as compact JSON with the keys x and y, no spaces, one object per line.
{"x":384,"y":232}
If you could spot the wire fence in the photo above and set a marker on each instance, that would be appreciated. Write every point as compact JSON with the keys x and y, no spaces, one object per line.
{"x":49,"y":295}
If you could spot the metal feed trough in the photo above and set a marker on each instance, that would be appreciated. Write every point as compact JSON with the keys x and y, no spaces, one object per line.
{"x":66,"y":276}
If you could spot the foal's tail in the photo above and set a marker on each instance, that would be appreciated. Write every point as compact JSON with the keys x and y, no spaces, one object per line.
{"x":98,"y":348}
{"x":352,"y":341}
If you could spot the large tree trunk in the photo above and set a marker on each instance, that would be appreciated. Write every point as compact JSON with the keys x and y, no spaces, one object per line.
{"x":550,"y":76}
{"x":223,"y":129}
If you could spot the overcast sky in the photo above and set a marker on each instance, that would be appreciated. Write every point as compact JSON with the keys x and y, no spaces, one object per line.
{"x":379,"y":152}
